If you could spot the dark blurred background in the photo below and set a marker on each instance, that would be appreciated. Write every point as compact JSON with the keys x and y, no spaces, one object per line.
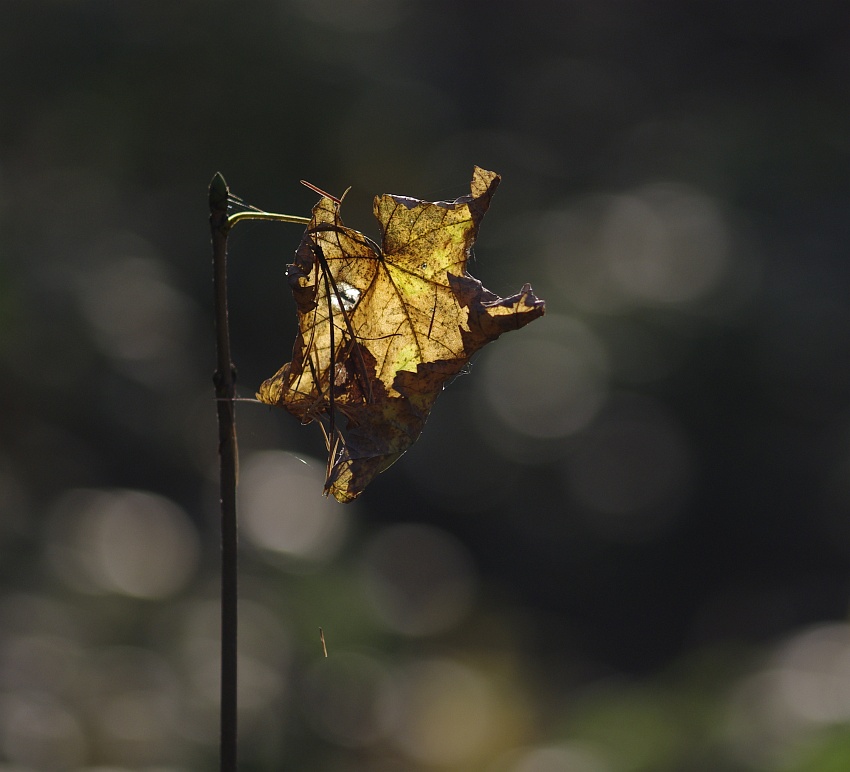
{"x":623,"y":541}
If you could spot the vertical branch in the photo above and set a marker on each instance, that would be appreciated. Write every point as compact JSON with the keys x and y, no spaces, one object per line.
{"x":225,"y":391}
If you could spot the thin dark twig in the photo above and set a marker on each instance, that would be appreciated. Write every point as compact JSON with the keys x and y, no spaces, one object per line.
{"x":332,"y":411}
{"x":225,"y":391}
{"x":326,"y":272}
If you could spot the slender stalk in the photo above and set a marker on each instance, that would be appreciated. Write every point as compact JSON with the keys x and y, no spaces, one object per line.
{"x":293,"y":218}
{"x":225,"y":391}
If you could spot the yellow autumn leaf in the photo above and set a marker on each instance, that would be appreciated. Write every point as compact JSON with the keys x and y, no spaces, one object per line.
{"x":383,"y":328}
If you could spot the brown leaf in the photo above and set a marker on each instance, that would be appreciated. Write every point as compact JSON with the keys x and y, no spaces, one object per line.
{"x":382,"y":329}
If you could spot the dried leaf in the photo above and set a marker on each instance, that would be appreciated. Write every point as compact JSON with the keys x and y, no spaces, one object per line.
{"x":382,"y":329}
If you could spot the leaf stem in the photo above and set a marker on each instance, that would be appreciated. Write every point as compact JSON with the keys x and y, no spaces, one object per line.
{"x":225,"y":391}
{"x":292,"y":218}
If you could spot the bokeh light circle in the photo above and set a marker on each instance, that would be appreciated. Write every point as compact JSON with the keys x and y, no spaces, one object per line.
{"x":128,"y":542}
{"x":284,"y":513}
{"x":560,"y":758}
{"x":549,"y":383}
{"x":419,"y":579}
{"x":448,"y":712}
{"x":664,"y":243}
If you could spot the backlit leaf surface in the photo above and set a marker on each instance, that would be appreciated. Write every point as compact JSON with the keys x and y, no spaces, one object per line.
{"x":383,"y":328}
